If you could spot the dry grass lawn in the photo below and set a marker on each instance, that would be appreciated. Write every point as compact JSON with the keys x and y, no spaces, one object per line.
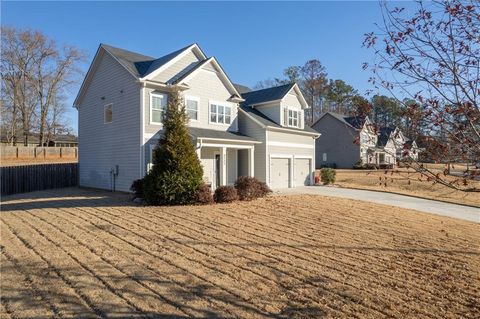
{"x":78,"y":253}
{"x":397,"y":183}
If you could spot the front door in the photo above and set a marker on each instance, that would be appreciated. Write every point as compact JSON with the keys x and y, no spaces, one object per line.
{"x":216,"y":170}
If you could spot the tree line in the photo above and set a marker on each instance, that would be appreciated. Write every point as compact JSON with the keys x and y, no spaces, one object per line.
{"x":36,"y":77}
{"x":335,"y":95}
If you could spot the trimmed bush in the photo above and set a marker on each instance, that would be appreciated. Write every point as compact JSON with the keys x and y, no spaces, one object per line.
{"x":249,"y":188}
{"x":176,"y":173}
{"x":225,"y":194}
{"x":203,"y":195}
{"x":328,"y":175}
{"x":137,"y":188}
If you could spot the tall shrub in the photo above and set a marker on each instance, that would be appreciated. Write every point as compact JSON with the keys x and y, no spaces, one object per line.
{"x":176,"y":174}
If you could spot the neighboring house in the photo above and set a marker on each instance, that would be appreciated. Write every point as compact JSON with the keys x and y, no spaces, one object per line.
{"x":348,"y":140}
{"x":345,"y":140}
{"x":411,"y":150}
{"x":236,"y":131}
{"x":391,"y":141}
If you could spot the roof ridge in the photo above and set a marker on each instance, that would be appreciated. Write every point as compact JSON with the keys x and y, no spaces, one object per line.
{"x":108,"y":46}
{"x":272,"y":87}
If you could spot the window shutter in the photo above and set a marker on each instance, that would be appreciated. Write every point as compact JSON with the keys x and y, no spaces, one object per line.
{"x":285,"y":117}
{"x":300,"y":119}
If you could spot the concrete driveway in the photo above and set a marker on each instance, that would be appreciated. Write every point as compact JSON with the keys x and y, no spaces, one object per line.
{"x":423,"y":205}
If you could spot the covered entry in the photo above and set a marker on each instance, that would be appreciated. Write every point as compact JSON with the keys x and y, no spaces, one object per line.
{"x":219,"y":151}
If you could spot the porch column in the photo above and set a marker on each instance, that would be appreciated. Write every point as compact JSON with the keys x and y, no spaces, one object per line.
{"x":251,"y":162}
{"x":223,"y":166}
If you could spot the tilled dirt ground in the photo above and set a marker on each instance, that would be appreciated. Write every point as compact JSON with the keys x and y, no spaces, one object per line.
{"x":81,"y":253}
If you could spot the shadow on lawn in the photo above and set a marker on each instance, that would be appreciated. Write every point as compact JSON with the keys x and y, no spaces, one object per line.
{"x":65,"y":198}
{"x":48,"y":290}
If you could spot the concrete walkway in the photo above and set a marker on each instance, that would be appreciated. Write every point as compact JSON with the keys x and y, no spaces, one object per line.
{"x":423,"y":205}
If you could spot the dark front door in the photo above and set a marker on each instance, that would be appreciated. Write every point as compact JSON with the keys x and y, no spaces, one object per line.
{"x":217,"y":170}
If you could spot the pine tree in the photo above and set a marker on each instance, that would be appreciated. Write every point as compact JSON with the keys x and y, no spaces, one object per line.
{"x":176,"y":173}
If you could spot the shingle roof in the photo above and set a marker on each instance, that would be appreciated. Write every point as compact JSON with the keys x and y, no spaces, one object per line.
{"x":139,"y":64}
{"x":216,"y":134}
{"x":242,"y":88}
{"x":266,"y":95}
{"x":182,"y":75}
{"x":355,"y":122}
{"x":384,"y":135}
{"x":265,"y":120}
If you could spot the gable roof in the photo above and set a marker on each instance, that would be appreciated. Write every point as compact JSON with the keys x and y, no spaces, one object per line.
{"x":384,"y":135}
{"x":138,"y":64}
{"x":242,"y":88}
{"x":355,"y":122}
{"x":266,"y":95}
{"x":264,"y":120}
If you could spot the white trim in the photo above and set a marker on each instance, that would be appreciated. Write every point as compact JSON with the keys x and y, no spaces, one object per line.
{"x":142,"y":131}
{"x":150,"y":135}
{"x":228,"y":140}
{"x":192,"y":98}
{"x":294,"y":145}
{"x":290,"y":158}
{"x":104,"y":113}
{"x":227,"y":145}
{"x":224,"y":104}
{"x":273,"y":128}
{"x":299,"y":94}
{"x":213,"y":60}
{"x":175,"y":59}
{"x":156,"y":94}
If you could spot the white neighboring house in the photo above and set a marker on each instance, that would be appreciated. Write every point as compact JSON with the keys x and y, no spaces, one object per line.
{"x":236,"y":131}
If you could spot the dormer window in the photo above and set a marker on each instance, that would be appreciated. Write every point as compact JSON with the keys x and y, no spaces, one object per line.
{"x":293,"y":118}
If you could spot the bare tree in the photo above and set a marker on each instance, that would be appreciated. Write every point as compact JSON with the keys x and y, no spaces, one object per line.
{"x":314,"y":81}
{"x":34,"y":72}
{"x":432,"y":56}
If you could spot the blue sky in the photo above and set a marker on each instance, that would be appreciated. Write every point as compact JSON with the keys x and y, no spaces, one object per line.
{"x":252,"y":41}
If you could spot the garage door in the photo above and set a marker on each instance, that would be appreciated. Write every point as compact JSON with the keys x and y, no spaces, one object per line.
{"x":302,"y":171}
{"x":279,"y":172}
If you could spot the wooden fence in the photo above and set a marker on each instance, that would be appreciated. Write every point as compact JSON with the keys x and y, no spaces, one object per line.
{"x":29,"y":178}
{"x":9,"y":153}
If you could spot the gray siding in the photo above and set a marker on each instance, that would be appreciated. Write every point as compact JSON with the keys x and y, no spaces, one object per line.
{"x":206,"y":86}
{"x":337,"y":140}
{"x":179,"y":67}
{"x":248,"y":127}
{"x":102,"y":146}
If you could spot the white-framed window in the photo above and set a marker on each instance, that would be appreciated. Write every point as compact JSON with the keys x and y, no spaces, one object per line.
{"x":108,"y":113}
{"x":191,"y":106}
{"x":158,"y":105}
{"x":324,"y":157}
{"x":220,"y":113}
{"x":293,"y":118}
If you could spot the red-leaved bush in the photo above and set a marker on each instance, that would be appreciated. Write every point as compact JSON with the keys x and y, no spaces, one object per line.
{"x":249,"y":188}
{"x":225,"y":194}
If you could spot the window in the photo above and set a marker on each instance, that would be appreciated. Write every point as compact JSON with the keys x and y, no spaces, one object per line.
{"x":158,"y":105}
{"x":293,"y":117}
{"x":221,"y":114}
{"x":324,"y":157}
{"x":108,"y":113}
{"x":192,"y":108}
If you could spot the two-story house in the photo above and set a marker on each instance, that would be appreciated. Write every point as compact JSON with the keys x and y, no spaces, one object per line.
{"x":345,"y":140}
{"x":348,"y":140}
{"x":235,"y":131}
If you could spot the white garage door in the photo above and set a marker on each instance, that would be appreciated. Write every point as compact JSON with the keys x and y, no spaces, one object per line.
{"x":279,"y":172}
{"x":302,"y":171}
